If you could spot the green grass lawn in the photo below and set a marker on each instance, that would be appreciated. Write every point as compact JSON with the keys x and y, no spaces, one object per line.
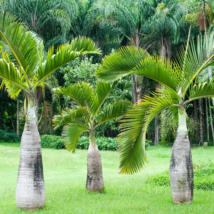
{"x":65,"y":177}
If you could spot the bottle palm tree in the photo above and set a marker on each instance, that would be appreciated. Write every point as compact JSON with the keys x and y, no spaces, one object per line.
{"x":86,"y":118}
{"x":23,"y":68}
{"x":179,"y":87}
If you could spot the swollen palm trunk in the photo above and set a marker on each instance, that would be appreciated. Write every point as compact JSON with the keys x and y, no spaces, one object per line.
{"x":181,"y":169}
{"x":94,"y":181}
{"x":30,"y":192}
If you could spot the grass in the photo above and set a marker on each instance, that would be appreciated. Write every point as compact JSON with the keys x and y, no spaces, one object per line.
{"x":65,"y":177}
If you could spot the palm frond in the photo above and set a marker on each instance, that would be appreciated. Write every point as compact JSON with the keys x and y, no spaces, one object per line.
{"x":201,"y":90}
{"x":132,"y":139}
{"x":79,"y":116}
{"x":65,"y":53}
{"x":132,"y":153}
{"x":84,"y":45}
{"x":101,"y":92}
{"x":71,"y":134}
{"x":12,"y":90}
{"x":9,"y":73}
{"x":113,"y":111}
{"x":197,"y":59}
{"x":120,"y":63}
{"x":160,"y":71}
{"x":130,"y":60}
{"x":25,"y":45}
{"x":81,"y":93}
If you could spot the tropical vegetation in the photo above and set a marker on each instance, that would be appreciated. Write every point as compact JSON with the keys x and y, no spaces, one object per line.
{"x":142,"y":52}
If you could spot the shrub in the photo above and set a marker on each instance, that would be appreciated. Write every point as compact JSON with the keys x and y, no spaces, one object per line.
{"x":103,"y":143}
{"x":203,"y":178}
{"x":52,"y":141}
{"x":9,"y":137}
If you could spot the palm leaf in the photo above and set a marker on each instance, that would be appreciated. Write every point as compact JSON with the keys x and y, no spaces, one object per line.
{"x":113,"y":111}
{"x":81,"y":93}
{"x":9,"y":73}
{"x":65,"y":54}
{"x":132,"y":153}
{"x":84,"y":45}
{"x":197,"y":59}
{"x":71,"y":134}
{"x":13,"y":90}
{"x":161,"y":71}
{"x":24,"y":45}
{"x":120,"y":63}
{"x":132,"y":139}
{"x":78,"y":116}
{"x":130,"y":60}
{"x":101,"y":92}
{"x":201,"y":90}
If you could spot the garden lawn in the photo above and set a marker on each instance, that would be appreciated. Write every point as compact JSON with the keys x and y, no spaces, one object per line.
{"x":65,"y":178}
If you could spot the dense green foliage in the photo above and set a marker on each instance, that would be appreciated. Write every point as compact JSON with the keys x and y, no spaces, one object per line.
{"x":160,"y":26}
{"x":9,"y":137}
{"x":52,"y":141}
{"x":103,"y":143}
{"x":203,"y":177}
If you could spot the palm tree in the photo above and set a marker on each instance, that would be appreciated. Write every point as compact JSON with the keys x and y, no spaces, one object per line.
{"x":179,"y":87}
{"x":86,"y":118}
{"x":28,"y":71}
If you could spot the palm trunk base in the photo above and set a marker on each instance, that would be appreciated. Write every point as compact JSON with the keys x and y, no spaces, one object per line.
{"x":30,"y":192}
{"x":181,"y":170}
{"x":94,"y":181}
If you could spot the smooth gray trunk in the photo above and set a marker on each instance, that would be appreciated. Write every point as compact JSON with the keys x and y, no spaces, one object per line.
{"x":17,"y":118}
{"x":163,"y":56}
{"x":156,"y":130}
{"x":181,"y":169}
{"x":134,"y":88}
{"x":196,"y":129}
{"x":201,"y":120}
{"x":207,"y":120}
{"x":94,"y":182}
{"x":157,"y":123}
{"x":30,"y":191}
{"x":211,"y":120}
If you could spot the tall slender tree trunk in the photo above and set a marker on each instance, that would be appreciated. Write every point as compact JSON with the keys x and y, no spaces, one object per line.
{"x":210,"y":77}
{"x":17,"y":118}
{"x":204,"y":14}
{"x":134,"y":88}
{"x":211,"y":120}
{"x":136,"y":42}
{"x":207,"y":120}
{"x":196,"y":133}
{"x":201,"y":120}
{"x":94,"y":182}
{"x":163,"y":56}
{"x":181,"y":168}
{"x":30,"y":191}
{"x":157,"y":124}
